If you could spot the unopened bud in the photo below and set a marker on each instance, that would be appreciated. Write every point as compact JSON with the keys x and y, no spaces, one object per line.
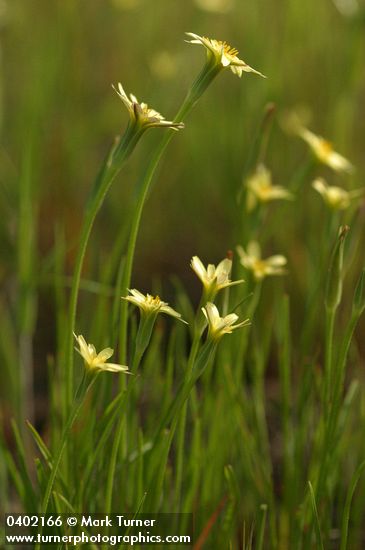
{"x":334,"y":279}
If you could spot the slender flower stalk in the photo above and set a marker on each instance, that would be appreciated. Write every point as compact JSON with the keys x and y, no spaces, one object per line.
{"x":214,"y":64}
{"x":141,"y":118}
{"x":332,"y":301}
{"x":333,"y":369}
{"x":334,"y":279}
{"x":149,"y":307}
{"x":358,"y":307}
{"x":218,"y":326}
{"x":87,"y":381}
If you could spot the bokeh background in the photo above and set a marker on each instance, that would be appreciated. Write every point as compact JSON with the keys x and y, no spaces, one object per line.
{"x":59,"y":116}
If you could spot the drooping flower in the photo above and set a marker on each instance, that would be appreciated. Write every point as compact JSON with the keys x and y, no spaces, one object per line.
{"x":150,"y":305}
{"x":336,"y":197}
{"x":261,"y":189}
{"x":222,"y":55}
{"x":217,"y":325}
{"x":143,"y":115}
{"x":324,"y":152}
{"x":97,"y":361}
{"x":214,"y":278}
{"x":261,"y":268}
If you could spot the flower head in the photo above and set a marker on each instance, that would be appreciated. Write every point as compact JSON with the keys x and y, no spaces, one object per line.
{"x":324,"y":152}
{"x":97,"y":361}
{"x":150,"y":305}
{"x":214,"y":278}
{"x":260,"y":268}
{"x":222,"y":54}
{"x":143,"y":115}
{"x":217,"y":325}
{"x":335,"y":197}
{"x":261,"y":189}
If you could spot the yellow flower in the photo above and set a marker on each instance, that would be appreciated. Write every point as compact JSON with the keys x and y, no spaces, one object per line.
{"x":261,"y":189}
{"x":324,"y":151}
{"x":214,"y":278}
{"x":143,"y":115}
{"x":217,"y":325}
{"x":260,"y":268}
{"x":150,"y":305}
{"x":97,"y":361}
{"x":222,"y":54}
{"x":335,"y":197}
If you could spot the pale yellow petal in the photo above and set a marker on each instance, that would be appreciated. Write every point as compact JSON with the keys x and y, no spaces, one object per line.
{"x":103,"y":355}
{"x":198,"y":267}
{"x":112,"y":367}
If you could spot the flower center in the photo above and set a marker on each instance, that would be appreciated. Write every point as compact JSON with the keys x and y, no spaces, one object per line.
{"x":336,"y":196}
{"x":264,"y":190}
{"x":259,"y":267}
{"x":325,"y":148}
{"x":153,"y":302}
{"x":227,"y":49}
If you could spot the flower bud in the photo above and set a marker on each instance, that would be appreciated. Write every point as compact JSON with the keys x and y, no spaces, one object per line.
{"x":334,"y":279}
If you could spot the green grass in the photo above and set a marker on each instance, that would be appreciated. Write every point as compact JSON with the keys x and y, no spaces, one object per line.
{"x":260,"y":435}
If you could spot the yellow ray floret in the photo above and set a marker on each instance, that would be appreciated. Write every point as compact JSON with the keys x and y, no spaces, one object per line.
{"x":223,"y":54}
{"x":97,"y":361}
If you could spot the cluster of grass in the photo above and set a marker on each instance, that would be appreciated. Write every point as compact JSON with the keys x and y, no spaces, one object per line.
{"x":258,"y":432}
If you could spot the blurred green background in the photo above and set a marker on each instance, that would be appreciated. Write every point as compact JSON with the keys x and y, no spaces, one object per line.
{"x":59,"y":116}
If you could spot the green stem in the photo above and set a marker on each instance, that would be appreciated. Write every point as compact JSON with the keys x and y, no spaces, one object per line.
{"x":206,"y":354}
{"x":112,"y":165}
{"x":330,"y":427}
{"x":117,"y":439}
{"x":261,"y":535}
{"x":328,"y":367}
{"x":325,"y":426}
{"x":201,"y":83}
{"x":243,"y":342}
{"x":287,"y":427}
{"x":180,"y":457}
{"x":85,"y":385}
{"x":347,"y":507}
{"x":173,"y":416}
